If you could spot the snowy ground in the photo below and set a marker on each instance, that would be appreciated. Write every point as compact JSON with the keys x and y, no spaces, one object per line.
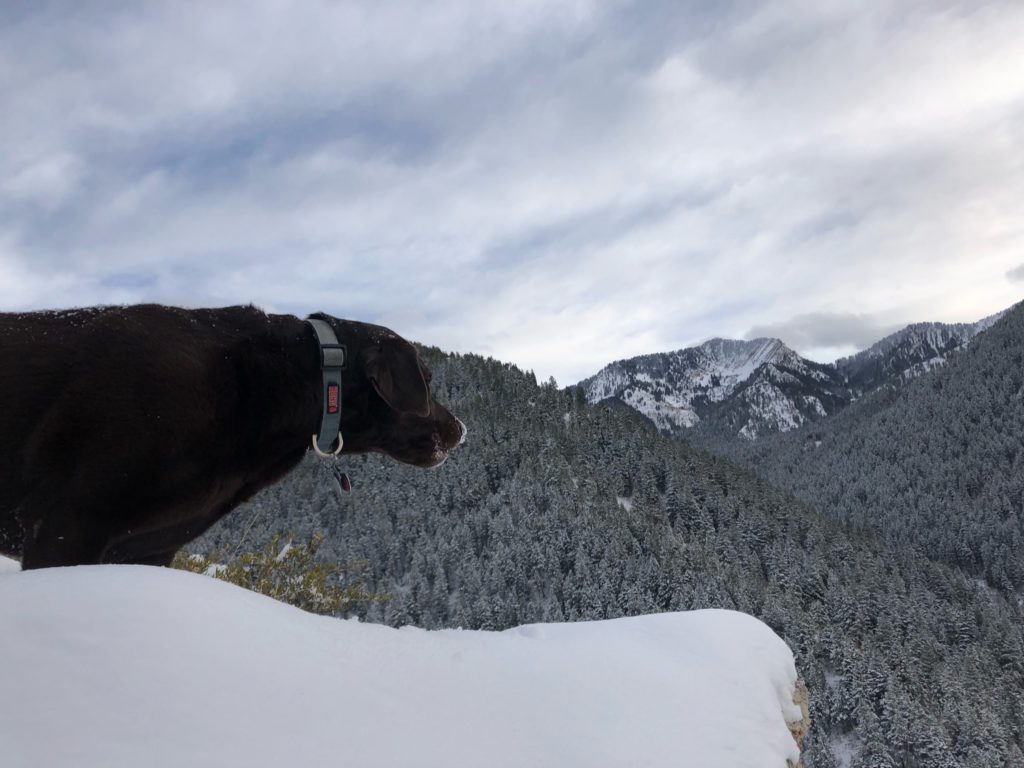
{"x":131,"y":666}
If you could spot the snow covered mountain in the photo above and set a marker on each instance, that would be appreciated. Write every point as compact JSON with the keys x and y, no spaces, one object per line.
{"x":751,"y":388}
{"x":909,"y":353}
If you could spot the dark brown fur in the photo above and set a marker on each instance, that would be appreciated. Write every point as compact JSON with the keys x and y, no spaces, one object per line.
{"x":125,"y":432}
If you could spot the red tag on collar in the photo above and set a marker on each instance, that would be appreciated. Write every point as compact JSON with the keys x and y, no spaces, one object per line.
{"x":332,"y":398}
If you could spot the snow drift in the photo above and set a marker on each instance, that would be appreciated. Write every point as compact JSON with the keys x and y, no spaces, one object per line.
{"x":131,"y":665}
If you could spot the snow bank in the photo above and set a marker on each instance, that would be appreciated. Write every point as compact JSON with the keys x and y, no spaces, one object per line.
{"x":130,"y":666}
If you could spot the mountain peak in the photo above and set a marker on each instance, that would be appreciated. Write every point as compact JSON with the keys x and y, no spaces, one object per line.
{"x":750,"y":387}
{"x":731,"y":346}
{"x":679,"y":389}
{"x":747,"y":354}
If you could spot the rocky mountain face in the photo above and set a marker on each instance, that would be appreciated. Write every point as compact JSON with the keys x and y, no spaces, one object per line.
{"x":906,"y":354}
{"x":777,"y":397}
{"x":752,"y":388}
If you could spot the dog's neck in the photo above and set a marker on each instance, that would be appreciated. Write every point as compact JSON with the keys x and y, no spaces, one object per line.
{"x":280,"y":384}
{"x":328,"y":439}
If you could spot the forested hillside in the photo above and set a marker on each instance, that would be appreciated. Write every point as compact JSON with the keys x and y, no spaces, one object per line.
{"x":908,"y":353}
{"x":937,"y":465}
{"x":555,"y":509}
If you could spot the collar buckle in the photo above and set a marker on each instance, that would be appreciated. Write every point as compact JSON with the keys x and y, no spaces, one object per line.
{"x":332,"y":356}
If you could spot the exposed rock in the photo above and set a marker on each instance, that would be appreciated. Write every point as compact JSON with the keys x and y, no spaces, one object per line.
{"x":800,"y":728}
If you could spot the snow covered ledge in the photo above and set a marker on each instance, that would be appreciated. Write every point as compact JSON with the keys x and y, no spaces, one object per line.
{"x":128,"y":666}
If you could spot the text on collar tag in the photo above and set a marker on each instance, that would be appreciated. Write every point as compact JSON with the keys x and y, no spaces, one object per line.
{"x":332,"y":398}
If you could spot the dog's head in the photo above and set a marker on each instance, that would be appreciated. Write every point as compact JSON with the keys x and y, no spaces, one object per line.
{"x":387,"y":406}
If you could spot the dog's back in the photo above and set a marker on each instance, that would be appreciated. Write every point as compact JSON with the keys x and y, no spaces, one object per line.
{"x":32,"y":346}
{"x":38,"y":351}
{"x":103,"y":379}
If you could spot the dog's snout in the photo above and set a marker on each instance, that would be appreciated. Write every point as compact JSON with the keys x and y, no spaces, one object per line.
{"x":463,"y":431}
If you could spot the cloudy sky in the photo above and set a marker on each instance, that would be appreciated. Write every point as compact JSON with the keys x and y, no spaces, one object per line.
{"x":556,"y":184}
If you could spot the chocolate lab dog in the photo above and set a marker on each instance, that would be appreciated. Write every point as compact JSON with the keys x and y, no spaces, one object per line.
{"x":125,"y":432}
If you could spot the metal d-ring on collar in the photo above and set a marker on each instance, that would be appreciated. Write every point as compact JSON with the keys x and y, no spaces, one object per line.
{"x":332,"y":360}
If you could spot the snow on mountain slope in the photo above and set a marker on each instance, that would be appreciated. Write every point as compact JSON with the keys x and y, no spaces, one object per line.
{"x":670,"y":387}
{"x":130,"y":665}
{"x":909,"y":353}
{"x":681,"y":389}
{"x":750,"y":388}
{"x":778,"y":398}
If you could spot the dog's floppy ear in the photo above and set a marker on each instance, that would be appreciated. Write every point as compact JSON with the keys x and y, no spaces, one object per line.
{"x":394,"y":371}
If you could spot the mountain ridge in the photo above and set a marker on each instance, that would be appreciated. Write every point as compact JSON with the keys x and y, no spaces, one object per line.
{"x":936,"y":465}
{"x":748,"y":388}
{"x":912,"y":351}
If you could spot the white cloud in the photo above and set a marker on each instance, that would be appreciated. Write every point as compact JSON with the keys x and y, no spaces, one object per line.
{"x":554,"y":184}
